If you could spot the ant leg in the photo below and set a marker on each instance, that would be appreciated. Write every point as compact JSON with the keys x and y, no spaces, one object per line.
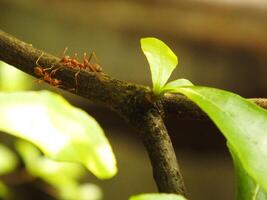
{"x":53,"y":72}
{"x":36,"y":62}
{"x":93,"y":55}
{"x":65,"y":50}
{"x":95,"y":67}
{"x":39,"y":80}
{"x":92,"y":67}
{"x":76,"y":79}
{"x":50,"y":68}
{"x":75,"y":56}
{"x":90,"y":57}
{"x":84,"y":57}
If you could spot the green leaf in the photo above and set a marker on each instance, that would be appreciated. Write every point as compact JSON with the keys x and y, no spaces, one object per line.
{"x":61,"y":131}
{"x":161,"y":59}
{"x":242,"y":122}
{"x":156,"y":196}
{"x":20,"y":81}
{"x":8,"y":160}
{"x":247,"y":189}
{"x":63,"y":176}
{"x":171,"y":86}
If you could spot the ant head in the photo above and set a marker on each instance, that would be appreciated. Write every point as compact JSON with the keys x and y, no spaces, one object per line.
{"x":65,"y":59}
{"x":56,"y":82}
{"x":38,"y":71}
{"x":74,"y":62}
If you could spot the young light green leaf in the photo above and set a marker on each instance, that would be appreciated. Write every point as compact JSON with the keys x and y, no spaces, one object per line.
{"x":171,"y":86}
{"x":61,"y":131}
{"x":247,"y":189}
{"x":8,"y":160}
{"x":157,"y":196}
{"x":161,"y":59}
{"x":242,"y":122}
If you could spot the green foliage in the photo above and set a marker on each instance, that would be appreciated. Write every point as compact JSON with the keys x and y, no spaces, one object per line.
{"x":19,"y":81}
{"x":176,"y":83}
{"x":161,"y":59}
{"x":61,"y":131}
{"x":8,"y":160}
{"x":63,"y":176}
{"x":242,"y":122}
{"x":157,"y":197}
{"x":247,"y":188}
{"x":8,"y":163}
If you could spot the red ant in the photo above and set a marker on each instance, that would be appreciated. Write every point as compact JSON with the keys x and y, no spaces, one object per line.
{"x":93,"y":66}
{"x":39,"y":71}
{"x":67,"y":61}
{"x":73,"y":63}
{"x":70,"y":62}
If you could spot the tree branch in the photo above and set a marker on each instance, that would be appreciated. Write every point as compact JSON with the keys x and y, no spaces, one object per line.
{"x":183,"y":108}
{"x":148,"y":120}
{"x":132,"y":101}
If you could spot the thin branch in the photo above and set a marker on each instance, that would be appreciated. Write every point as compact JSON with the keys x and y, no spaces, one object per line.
{"x":149,"y":121}
{"x":127,"y":99}
{"x":182,"y":107}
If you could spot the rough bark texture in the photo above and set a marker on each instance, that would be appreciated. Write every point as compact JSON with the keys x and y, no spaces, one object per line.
{"x":159,"y":146}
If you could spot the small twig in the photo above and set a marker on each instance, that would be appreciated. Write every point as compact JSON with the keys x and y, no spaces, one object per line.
{"x":182,"y":107}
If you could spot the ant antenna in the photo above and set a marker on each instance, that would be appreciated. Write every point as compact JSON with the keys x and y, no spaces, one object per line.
{"x":65,"y":50}
{"x":84,"y":54}
{"x":93,"y":55}
{"x":75,"y":55}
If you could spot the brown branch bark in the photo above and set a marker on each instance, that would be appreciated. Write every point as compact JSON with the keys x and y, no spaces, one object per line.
{"x":132,"y":101}
{"x":183,"y":108}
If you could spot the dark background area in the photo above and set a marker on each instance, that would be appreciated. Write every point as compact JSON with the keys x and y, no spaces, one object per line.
{"x":220,"y":44}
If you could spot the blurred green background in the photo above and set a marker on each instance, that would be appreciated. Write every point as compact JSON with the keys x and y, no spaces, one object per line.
{"x":220,"y":44}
